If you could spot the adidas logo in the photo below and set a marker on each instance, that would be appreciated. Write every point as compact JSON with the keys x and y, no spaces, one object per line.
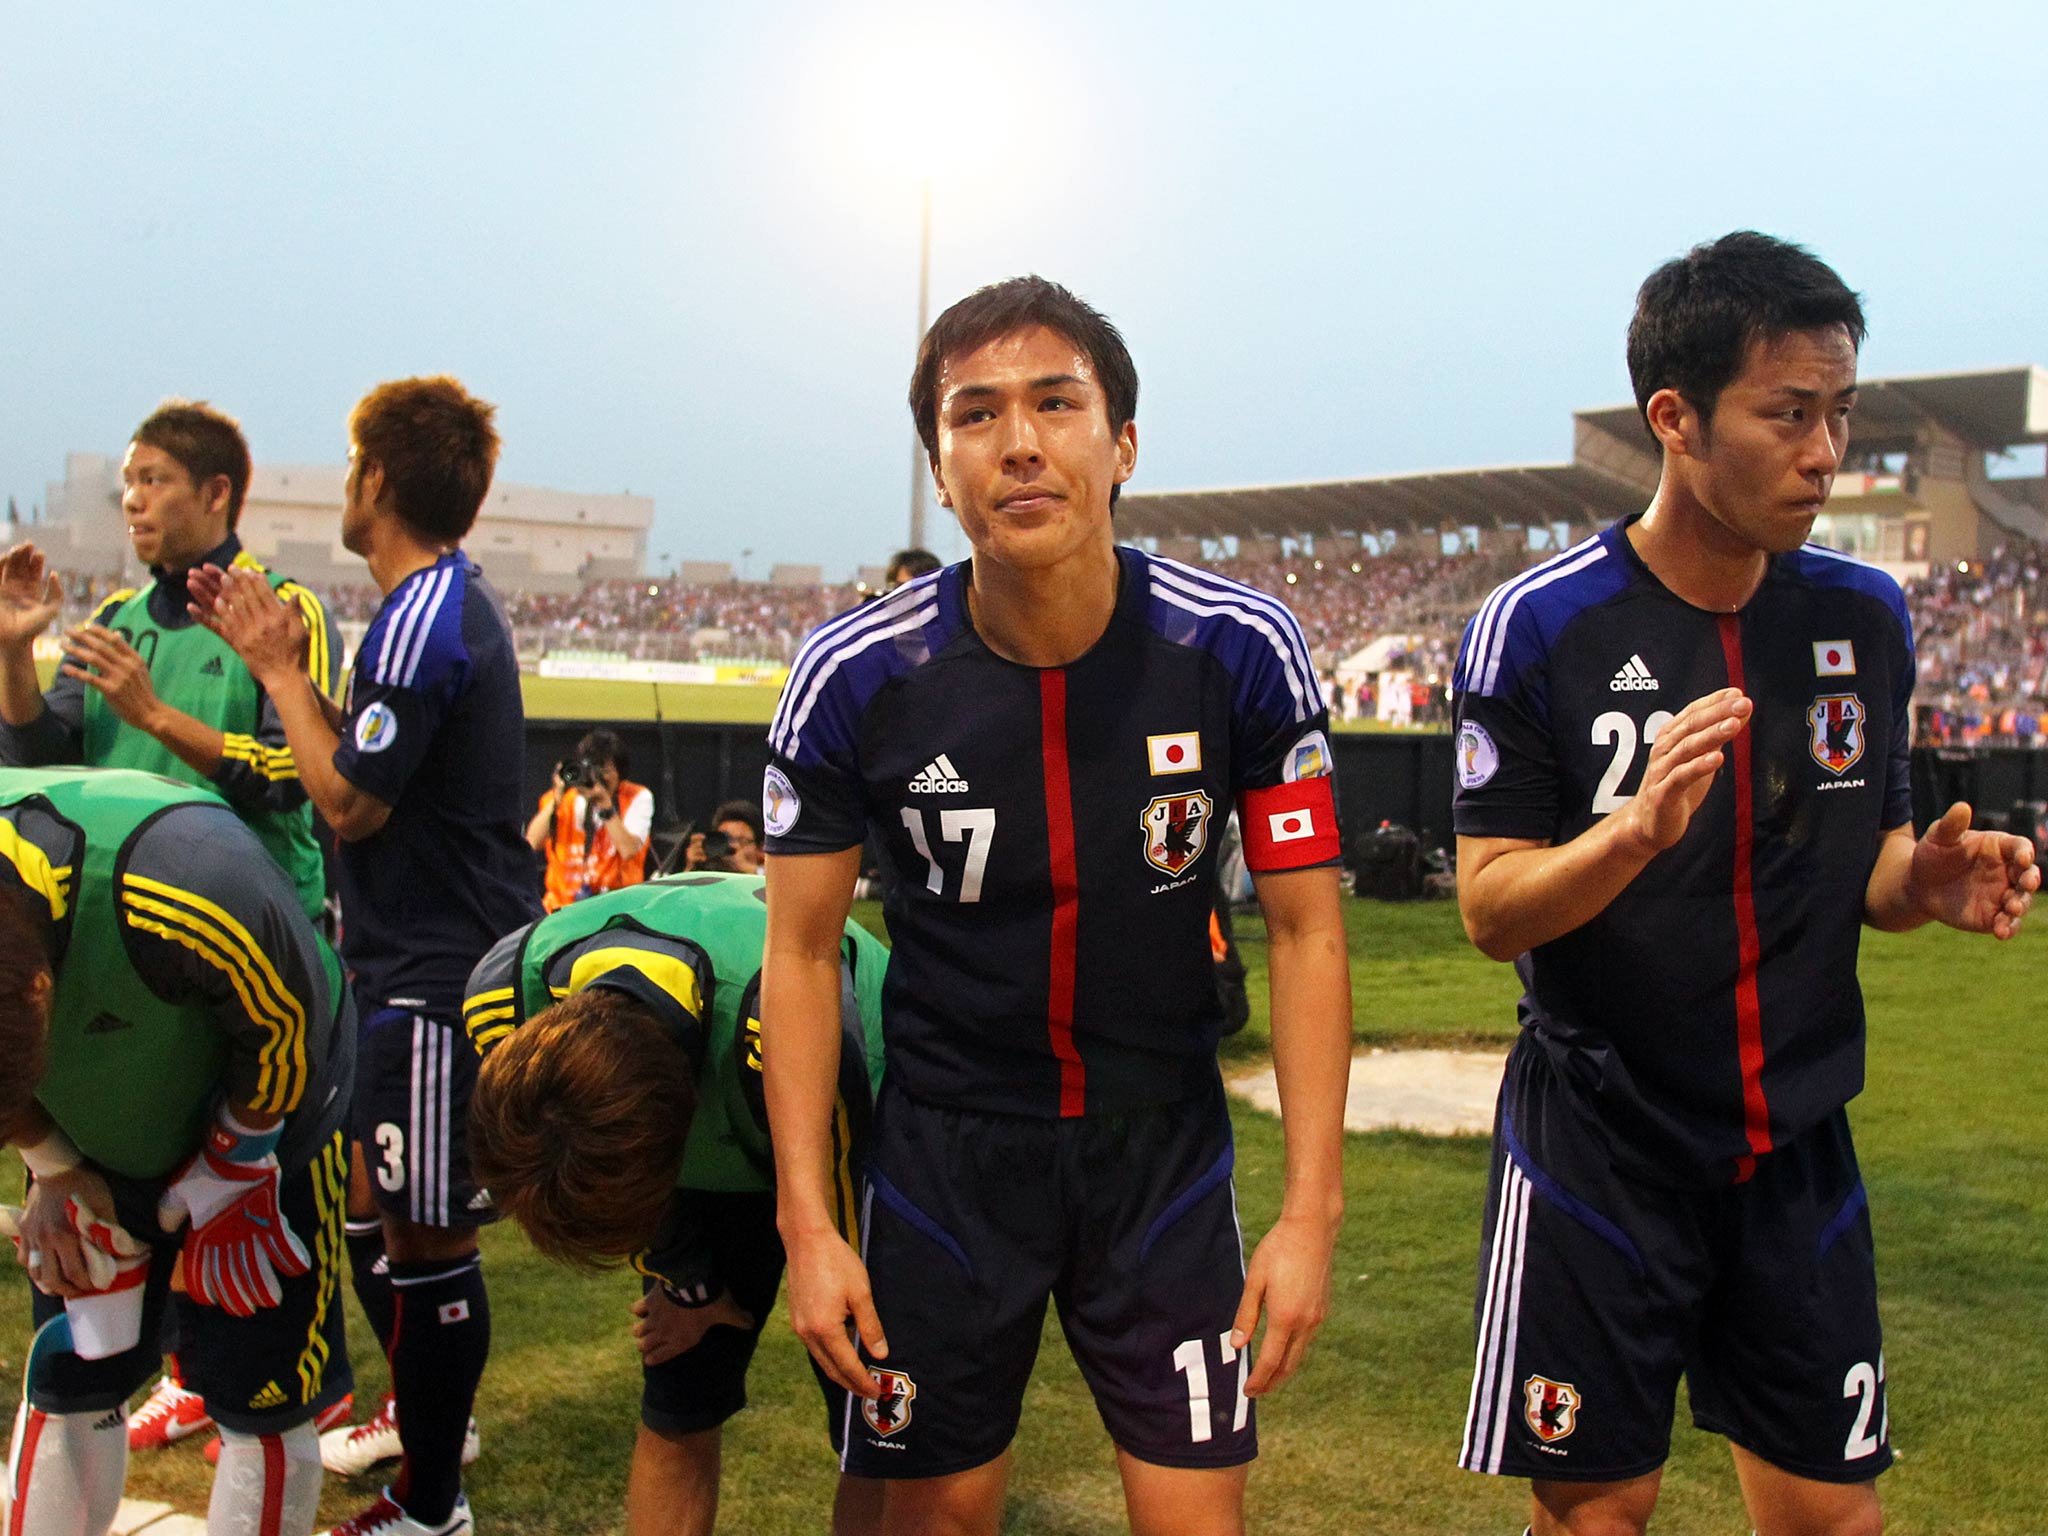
{"x":480,"y":1201}
{"x":938,"y":777}
{"x":272,"y":1396}
{"x":1634,"y":677}
{"x":212,"y":667}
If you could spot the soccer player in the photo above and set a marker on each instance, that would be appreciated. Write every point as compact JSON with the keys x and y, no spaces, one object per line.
{"x":144,"y":686}
{"x":420,"y":779}
{"x":619,"y":1115}
{"x":176,"y":1046}
{"x":1043,"y":741}
{"x":1682,"y":789}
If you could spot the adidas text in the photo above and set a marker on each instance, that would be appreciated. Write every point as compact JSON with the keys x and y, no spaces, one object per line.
{"x":1634,"y":677}
{"x":938,"y":777}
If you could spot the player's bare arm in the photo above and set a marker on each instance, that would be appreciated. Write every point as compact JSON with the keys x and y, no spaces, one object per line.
{"x":30,"y":597}
{"x":1979,"y":882}
{"x":1515,"y":894}
{"x":1288,"y":1277}
{"x":809,"y":897}
{"x":270,"y":637}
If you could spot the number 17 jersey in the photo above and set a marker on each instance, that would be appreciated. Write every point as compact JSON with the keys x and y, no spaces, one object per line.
{"x":1050,"y":835}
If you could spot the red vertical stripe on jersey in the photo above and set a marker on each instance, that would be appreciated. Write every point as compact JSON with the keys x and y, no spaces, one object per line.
{"x":273,"y":1485}
{"x":1749,"y":1018}
{"x":31,"y":1433}
{"x":1066,"y":890}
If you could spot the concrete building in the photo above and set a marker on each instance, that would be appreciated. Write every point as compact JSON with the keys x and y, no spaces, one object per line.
{"x":1942,"y":467}
{"x":528,"y":538}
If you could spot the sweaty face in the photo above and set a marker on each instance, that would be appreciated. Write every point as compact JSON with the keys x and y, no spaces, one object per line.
{"x":1764,"y":465}
{"x":355,"y":507}
{"x":1027,"y":454}
{"x":171,"y":521}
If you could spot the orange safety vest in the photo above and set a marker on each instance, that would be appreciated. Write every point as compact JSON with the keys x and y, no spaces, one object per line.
{"x":580,"y":865}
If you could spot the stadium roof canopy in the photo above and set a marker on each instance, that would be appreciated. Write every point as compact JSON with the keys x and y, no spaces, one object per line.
{"x":1613,"y":472}
{"x":1534,"y":493}
{"x":1992,"y":409}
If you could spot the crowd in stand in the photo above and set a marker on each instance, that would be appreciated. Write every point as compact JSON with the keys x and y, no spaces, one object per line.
{"x":1982,"y":631}
{"x":1983,"y":641}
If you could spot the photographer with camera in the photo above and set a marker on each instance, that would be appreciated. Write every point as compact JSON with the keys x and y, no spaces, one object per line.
{"x":732,"y":843}
{"x":593,"y":824}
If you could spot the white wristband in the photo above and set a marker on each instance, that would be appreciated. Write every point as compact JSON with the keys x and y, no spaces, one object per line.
{"x":51,"y":1156}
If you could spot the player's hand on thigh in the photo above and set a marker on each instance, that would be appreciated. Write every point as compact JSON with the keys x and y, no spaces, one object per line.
{"x":662,"y":1329}
{"x":828,"y":1288}
{"x":1681,"y":766}
{"x":1289,"y":1280}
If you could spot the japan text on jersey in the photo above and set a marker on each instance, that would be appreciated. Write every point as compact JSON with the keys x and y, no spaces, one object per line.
{"x":1714,"y":1002}
{"x":1051,"y":834}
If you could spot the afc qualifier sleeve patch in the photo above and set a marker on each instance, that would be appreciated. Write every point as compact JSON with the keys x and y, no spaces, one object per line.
{"x":376,"y":728}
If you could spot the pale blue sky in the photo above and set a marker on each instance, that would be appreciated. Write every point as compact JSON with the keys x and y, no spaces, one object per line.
{"x":671,"y":243}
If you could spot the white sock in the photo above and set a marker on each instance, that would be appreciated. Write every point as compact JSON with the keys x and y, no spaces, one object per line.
{"x":266,"y":1485}
{"x":66,"y":1470}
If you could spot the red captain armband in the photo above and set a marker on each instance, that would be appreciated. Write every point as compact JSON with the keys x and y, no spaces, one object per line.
{"x":1289,"y":826}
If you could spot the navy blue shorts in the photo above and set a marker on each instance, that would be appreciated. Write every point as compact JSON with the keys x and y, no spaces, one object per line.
{"x":260,"y":1374}
{"x":703,"y":1387}
{"x":414,"y":1077}
{"x":1597,"y":1291}
{"x":1126,"y":1222}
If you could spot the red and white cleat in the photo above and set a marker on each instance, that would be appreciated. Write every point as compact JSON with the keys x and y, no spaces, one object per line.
{"x":385,"y":1518}
{"x":168,"y":1415}
{"x":352,"y":1451}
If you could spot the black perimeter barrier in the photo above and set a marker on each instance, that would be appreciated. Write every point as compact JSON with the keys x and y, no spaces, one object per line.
{"x":1402,"y":777}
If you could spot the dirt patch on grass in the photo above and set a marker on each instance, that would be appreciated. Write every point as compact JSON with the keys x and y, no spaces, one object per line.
{"x":1441,"y":1093}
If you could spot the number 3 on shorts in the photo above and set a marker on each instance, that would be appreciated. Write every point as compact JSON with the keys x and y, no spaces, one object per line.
{"x":391,"y":1173}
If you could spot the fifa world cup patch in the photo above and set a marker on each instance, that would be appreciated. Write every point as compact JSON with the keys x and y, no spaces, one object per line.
{"x":1551,"y":1408}
{"x":779,"y":804}
{"x":1478,"y":757}
{"x":891,"y":1411}
{"x":1176,"y":830}
{"x":1836,"y":731}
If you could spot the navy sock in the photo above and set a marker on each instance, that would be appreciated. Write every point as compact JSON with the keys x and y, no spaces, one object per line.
{"x":442,"y":1337}
{"x":371,"y":1276}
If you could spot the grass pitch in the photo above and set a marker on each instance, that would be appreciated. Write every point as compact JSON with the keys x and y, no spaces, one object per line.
{"x":1955,"y":1152}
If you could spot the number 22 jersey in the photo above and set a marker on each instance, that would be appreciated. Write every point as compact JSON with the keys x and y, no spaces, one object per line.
{"x":1050,"y":834}
{"x":1711,"y":1012}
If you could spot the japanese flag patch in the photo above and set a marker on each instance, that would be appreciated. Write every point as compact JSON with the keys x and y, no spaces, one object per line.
{"x":1180,"y":752}
{"x":1834,"y":658}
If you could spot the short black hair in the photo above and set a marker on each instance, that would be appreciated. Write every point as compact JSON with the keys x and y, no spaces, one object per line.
{"x":604,"y":746}
{"x":1696,"y":315}
{"x":205,"y":442}
{"x":1017,"y":304}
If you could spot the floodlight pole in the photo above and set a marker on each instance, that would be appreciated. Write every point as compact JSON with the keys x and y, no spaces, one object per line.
{"x":920,"y":472}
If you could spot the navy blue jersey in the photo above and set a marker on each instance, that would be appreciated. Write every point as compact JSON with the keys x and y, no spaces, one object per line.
{"x":1711,"y":1012}
{"x":1048,"y":833}
{"x":436,"y":730}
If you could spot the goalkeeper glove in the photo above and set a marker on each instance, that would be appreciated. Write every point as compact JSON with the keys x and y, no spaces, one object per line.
{"x":240,"y":1241}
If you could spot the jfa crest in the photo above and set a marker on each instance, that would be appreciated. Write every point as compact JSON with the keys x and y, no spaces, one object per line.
{"x":1836,"y":735}
{"x":1551,"y":1408}
{"x":891,"y":1411}
{"x":1176,"y":831}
